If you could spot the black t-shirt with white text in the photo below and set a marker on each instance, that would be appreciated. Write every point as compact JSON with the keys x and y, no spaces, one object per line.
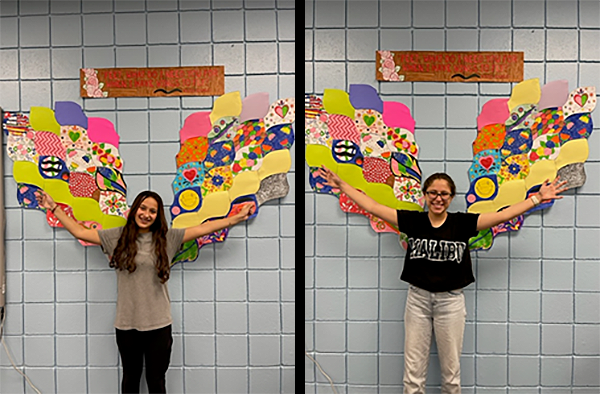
{"x":438,"y":259}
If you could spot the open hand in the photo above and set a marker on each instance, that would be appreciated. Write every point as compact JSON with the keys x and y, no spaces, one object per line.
{"x":44,"y":200}
{"x":331,"y":178}
{"x":551,"y":190}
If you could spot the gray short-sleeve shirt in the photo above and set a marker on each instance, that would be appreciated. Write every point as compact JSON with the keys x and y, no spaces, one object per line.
{"x":143,"y":303}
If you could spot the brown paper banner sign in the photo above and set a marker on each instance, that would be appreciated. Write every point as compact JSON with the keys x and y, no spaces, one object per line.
{"x":409,"y":66}
{"x":152,"y":82}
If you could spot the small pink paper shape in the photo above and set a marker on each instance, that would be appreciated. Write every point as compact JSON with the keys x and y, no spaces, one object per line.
{"x":554,"y":94}
{"x":381,"y":226}
{"x":196,"y":125}
{"x":396,"y":114}
{"x":255,"y":106}
{"x":102,"y":130}
{"x":49,"y":144}
{"x":493,"y":112}
{"x":365,"y":97}
{"x":92,"y":225}
{"x":343,"y":128}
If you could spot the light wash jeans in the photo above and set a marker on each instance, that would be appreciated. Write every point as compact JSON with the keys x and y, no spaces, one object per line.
{"x":443,"y":313}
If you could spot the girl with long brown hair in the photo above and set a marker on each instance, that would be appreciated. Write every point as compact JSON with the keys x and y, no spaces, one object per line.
{"x":141,"y":253}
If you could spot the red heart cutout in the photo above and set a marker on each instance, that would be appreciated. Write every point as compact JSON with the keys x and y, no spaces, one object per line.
{"x":190,"y":174}
{"x":486,"y":162}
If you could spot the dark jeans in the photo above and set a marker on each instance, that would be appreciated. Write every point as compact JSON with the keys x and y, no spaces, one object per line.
{"x":152,"y":346}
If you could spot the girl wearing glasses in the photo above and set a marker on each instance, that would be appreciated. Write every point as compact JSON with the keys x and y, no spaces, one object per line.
{"x":437,"y":267}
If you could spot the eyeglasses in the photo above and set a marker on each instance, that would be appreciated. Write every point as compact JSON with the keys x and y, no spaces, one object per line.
{"x":433,"y":194}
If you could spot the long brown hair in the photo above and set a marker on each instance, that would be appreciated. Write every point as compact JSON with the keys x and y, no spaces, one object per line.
{"x":126,"y":249}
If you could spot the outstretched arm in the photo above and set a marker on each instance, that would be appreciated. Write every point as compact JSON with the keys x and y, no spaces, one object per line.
{"x":365,"y":202}
{"x":548,"y":191}
{"x":211,"y":226}
{"x":79,"y":232}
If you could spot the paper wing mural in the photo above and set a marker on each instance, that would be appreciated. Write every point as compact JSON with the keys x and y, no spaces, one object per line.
{"x":74,"y":158}
{"x":536,"y":134}
{"x":237,"y":153}
{"x":370,"y":143}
